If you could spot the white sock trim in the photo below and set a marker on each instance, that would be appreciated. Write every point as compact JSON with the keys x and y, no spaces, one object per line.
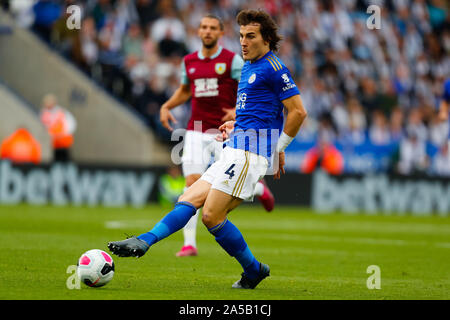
{"x":259,"y":189}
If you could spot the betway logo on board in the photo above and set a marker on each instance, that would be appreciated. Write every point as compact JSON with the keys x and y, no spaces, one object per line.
{"x":377,"y":193}
{"x":63,"y":184}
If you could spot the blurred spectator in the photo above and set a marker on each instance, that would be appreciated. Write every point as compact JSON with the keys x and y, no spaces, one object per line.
{"x":149,"y":102}
{"x":357,"y":124}
{"x":309,"y":130}
{"x":415,"y":125}
{"x":326,"y":129}
{"x":100,"y":12}
{"x":171,"y":186}
{"x":147,"y":11}
{"x":135,"y":69}
{"x":403,"y":83}
{"x":369,"y":96}
{"x":22,"y":10}
{"x":396,"y":124}
{"x":437,"y":11}
{"x":61,"y":126}
{"x":387,"y":98}
{"x":441,"y":162}
{"x":21,"y":147}
{"x":325,"y":156}
{"x":132,"y":46}
{"x":319,"y":101}
{"x":46,"y":12}
{"x":413,"y":158}
{"x":110,"y":37}
{"x":85,"y":49}
{"x":379,"y":129}
{"x":340,"y":117}
{"x":328,"y":70}
{"x":438,"y":131}
{"x":126,"y":13}
{"x":61,"y":37}
{"x":168,"y":31}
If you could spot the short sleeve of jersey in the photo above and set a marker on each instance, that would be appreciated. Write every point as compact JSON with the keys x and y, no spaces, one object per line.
{"x":282,"y":83}
{"x":183,"y":74}
{"x":236,"y":67}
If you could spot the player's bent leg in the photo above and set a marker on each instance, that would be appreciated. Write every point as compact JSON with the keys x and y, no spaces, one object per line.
{"x":217,"y":205}
{"x":264,"y":195}
{"x":184,"y":209}
{"x":196,"y":194}
{"x":228,"y":236}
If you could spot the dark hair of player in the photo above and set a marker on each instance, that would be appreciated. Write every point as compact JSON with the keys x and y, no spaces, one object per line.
{"x":213,"y":16}
{"x":268,"y":27}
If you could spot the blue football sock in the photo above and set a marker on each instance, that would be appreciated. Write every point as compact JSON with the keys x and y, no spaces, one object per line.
{"x":231,"y":240}
{"x":172,"y":222}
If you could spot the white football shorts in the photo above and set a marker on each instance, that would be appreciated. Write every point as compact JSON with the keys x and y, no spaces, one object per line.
{"x":236,"y":172}
{"x":198,"y":149}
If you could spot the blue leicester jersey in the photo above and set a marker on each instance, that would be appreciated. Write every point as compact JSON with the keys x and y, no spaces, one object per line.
{"x":264,"y":84}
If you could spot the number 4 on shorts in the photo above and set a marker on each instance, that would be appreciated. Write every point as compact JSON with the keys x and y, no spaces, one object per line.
{"x":230,"y":171}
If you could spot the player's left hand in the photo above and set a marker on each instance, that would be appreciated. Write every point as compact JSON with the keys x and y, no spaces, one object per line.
{"x":225,"y":130}
{"x":281,"y":162}
{"x":230,"y":114}
{"x":166,"y":117}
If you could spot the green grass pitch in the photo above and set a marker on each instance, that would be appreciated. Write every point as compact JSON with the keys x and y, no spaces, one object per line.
{"x":311,"y":256}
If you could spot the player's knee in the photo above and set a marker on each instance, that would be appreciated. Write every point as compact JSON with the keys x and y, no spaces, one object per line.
{"x":210,"y":219}
{"x":207,"y":219}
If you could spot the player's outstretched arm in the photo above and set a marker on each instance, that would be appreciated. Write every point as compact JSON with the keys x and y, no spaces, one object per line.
{"x":180,"y":96}
{"x":296,"y":114}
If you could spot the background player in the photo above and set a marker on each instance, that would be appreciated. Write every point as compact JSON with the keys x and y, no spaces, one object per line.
{"x":210,"y":76}
{"x":268,"y":88}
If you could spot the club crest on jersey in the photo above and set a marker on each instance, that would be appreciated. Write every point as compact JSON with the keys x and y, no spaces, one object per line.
{"x":220,"y":68}
{"x":252,"y":78}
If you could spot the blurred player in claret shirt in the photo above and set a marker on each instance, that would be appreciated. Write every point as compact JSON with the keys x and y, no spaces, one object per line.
{"x":265,"y":90}
{"x":210,"y":78}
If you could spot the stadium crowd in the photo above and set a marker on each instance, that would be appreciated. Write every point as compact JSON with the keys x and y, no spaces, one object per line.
{"x":383,"y":86}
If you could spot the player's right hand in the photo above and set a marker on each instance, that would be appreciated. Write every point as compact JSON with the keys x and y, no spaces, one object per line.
{"x":165,"y":116}
{"x":281,"y":162}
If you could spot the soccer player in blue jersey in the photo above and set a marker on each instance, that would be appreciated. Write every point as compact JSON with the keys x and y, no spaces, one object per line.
{"x":265,"y":89}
